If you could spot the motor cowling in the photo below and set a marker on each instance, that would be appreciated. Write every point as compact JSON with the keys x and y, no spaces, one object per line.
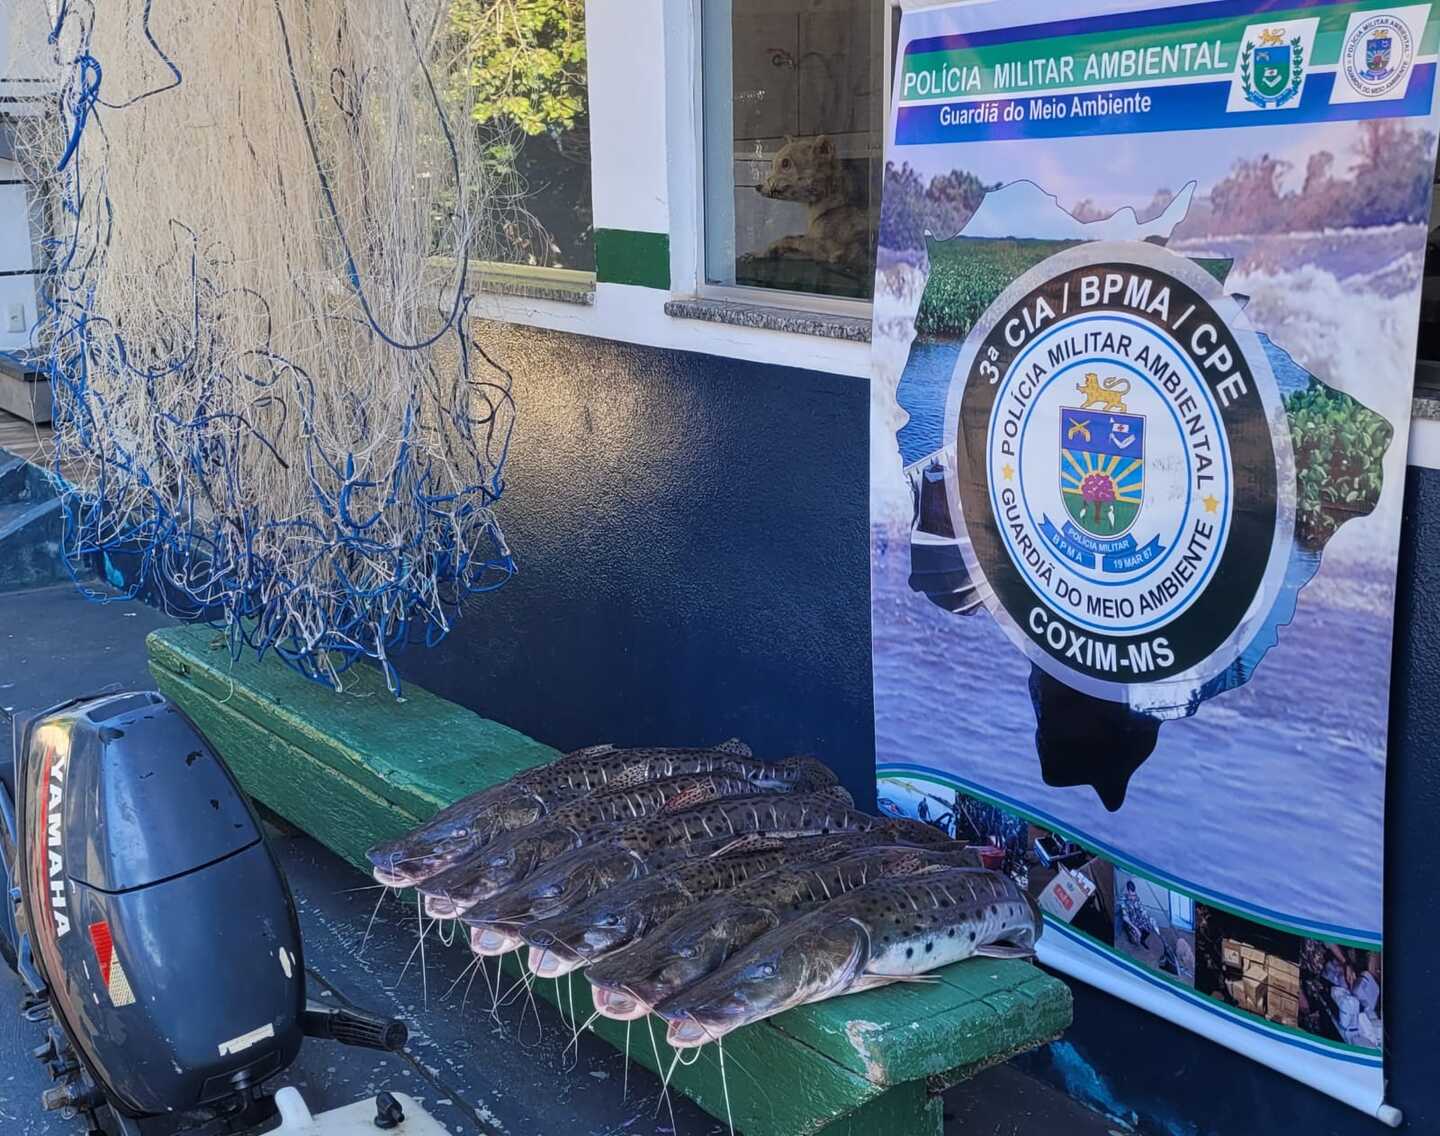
{"x":161,"y":922}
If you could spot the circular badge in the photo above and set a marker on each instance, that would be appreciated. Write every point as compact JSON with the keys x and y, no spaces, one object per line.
{"x":1377,"y":55}
{"x":1125,"y":504}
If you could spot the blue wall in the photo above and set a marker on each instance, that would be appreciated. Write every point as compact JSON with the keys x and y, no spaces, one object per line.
{"x":691,"y":533}
{"x":692,"y":539}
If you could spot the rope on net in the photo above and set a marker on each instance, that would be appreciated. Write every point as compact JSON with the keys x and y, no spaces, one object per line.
{"x":268,"y":408}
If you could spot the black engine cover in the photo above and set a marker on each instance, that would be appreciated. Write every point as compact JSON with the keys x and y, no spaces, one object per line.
{"x":161,"y":921}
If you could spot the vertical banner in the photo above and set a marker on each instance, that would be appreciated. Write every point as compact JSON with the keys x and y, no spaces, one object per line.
{"x":1145,"y":323}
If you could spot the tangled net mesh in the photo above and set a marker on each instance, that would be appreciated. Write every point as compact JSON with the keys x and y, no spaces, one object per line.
{"x":264,"y":216}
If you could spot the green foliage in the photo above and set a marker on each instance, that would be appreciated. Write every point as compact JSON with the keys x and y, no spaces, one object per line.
{"x":1339,"y":447}
{"x":910,"y":209}
{"x":524,"y":60}
{"x":966,"y":274}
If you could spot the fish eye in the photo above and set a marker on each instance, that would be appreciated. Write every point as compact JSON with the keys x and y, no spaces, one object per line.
{"x":612,"y":919}
{"x":784,"y":163}
{"x":686,"y":952}
{"x":763,"y":970}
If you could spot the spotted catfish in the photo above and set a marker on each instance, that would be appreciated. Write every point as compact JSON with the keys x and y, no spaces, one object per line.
{"x":641,"y":847}
{"x":688,"y":946}
{"x":619,"y":915}
{"x":892,"y":930}
{"x":514,"y":855}
{"x":457,"y":830}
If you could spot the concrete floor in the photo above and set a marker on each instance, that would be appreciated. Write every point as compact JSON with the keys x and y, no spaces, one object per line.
{"x":518,"y":1072}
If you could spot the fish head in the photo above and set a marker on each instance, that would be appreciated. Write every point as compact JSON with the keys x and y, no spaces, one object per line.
{"x":454,"y":892}
{"x":811,"y":959}
{"x":700,"y":948}
{"x":488,"y":941}
{"x":452,"y":835}
{"x":605,"y":922}
{"x":424,"y":853}
{"x":564,"y":882}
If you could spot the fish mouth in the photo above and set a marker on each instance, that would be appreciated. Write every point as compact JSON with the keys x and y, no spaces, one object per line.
{"x":619,"y":1005}
{"x":553,"y":961}
{"x":391,"y":878}
{"x":442,"y":906}
{"x":488,"y":942}
{"x":688,"y":1032}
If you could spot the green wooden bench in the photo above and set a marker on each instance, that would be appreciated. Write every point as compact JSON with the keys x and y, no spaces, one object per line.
{"x":355,"y":768}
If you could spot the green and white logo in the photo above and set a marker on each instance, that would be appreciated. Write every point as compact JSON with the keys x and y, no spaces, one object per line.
{"x":1271,"y":65}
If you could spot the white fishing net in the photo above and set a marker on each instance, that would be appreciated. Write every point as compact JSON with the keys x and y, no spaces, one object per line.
{"x":265,"y":216}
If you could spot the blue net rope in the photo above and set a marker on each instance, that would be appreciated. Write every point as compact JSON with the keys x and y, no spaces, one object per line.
{"x":205,"y":461}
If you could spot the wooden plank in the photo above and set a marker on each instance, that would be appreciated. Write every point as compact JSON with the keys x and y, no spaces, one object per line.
{"x":420,"y":752}
{"x":973,"y":1009}
{"x":777,"y":1086}
{"x":343,"y":815}
{"x":342,"y":769}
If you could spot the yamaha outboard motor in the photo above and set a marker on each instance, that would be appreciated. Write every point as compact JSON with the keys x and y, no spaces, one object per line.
{"x":154,"y":927}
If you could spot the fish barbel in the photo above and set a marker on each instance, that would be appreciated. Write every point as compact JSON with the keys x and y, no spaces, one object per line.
{"x":892,"y":930}
{"x":691,"y":944}
{"x":618,"y":915}
{"x":472,"y":822}
{"x":641,"y":847}
{"x":514,"y":855}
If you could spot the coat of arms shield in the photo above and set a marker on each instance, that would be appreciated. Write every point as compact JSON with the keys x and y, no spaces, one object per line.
{"x":1272,"y":69}
{"x":1102,"y":469}
{"x":1377,"y":53}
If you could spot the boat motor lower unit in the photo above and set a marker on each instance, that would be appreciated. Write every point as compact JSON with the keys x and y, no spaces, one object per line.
{"x":152,"y":928}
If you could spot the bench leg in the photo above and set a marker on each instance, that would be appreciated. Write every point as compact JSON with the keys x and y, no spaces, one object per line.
{"x":906,"y":1110}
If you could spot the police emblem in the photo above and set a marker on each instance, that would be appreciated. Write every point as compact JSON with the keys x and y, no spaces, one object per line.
{"x":1378,"y":54}
{"x":1118,"y":484}
{"x":1102,"y":467}
{"x":1377,"y":57}
{"x":1272,"y":68}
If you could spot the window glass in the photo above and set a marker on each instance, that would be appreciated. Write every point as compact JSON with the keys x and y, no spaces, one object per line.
{"x":520,"y":68}
{"x":793,"y":103}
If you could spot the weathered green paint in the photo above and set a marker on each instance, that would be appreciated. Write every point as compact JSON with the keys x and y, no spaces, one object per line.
{"x":967,"y":1013}
{"x":419,"y":753}
{"x":357,"y":767}
{"x":629,"y":256}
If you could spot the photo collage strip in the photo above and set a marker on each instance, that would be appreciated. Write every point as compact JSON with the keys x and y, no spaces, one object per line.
{"x":1327,"y":990}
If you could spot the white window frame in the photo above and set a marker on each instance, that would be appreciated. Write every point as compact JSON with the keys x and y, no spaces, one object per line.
{"x":739,"y":293}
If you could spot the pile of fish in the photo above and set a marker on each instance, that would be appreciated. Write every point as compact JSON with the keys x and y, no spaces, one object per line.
{"x":705,"y":885}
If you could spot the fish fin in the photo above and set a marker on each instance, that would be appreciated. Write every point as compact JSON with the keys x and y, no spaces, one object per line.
{"x":591,"y":751}
{"x":735,"y":747}
{"x":750,"y":842}
{"x":918,"y":979}
{"x":696,"y":794}
{"x":1004,"y":951}
{"x":870,"y":982}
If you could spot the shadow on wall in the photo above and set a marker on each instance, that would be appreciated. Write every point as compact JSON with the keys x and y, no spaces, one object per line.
{"x":691,"y":535}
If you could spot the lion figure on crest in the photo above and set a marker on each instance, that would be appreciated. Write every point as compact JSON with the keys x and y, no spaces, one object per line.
{"x":1109,"y":396}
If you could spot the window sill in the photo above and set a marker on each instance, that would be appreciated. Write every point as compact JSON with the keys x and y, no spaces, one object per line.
{"x":826,"y":325}
{"x":565,"y":285}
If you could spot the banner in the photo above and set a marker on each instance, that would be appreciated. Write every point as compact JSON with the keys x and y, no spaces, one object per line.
{"x":1146,"y":312}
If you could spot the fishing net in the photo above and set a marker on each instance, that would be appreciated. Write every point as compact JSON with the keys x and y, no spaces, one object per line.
{"x":264,"y":215}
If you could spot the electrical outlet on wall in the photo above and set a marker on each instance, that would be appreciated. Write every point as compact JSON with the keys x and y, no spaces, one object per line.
{"x":15,"y":318}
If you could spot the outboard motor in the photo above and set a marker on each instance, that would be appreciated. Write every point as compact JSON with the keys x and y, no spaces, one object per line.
{"x":154,"y":927}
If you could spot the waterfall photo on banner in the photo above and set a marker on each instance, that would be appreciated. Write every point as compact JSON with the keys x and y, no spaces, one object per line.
{"x":1146,"y":309}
